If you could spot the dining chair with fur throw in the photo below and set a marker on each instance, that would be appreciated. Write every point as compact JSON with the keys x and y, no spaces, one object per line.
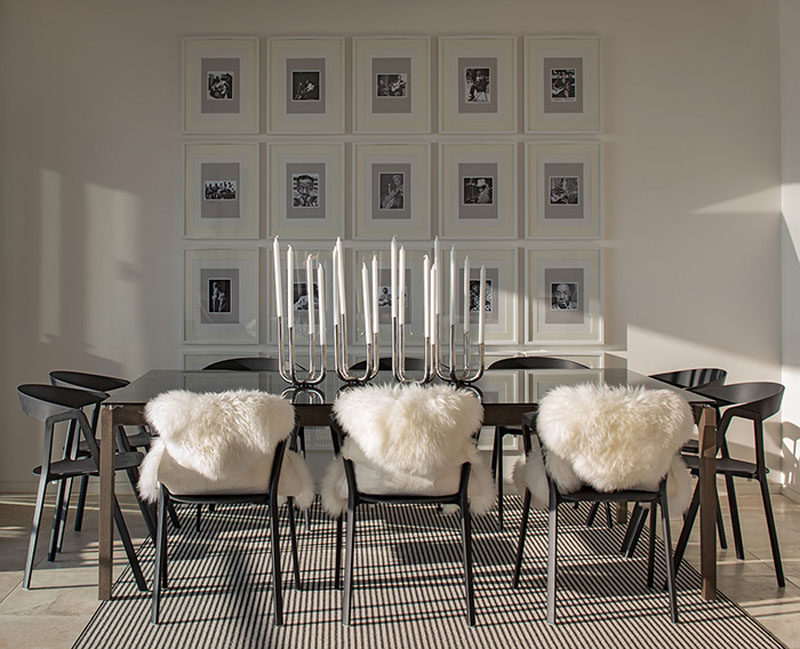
{"x":405,"y":444}
{"x":605,"y":444}
{"x":226,"y":447}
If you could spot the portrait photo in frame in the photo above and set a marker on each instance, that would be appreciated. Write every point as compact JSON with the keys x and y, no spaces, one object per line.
{"x":392,"y":191}
{"x":478,"y":191}
{"x":564,"y":296}
{"x":477,"y":84}
{"x":563,"y":198}
{"x":221,"y":197}
{"x":562,"y":84}
{"x":306,"y":190}
{"x":391,"y":85}
{"x":306,"y":85}
{"x":221,"y":296}
{"x":220,"y":91}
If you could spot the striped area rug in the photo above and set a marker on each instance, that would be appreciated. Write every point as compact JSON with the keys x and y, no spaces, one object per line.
{"x":409,"y":591}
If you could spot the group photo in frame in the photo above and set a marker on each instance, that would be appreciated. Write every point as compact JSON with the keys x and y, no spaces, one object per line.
{"x":221,"y":296}
{"x":477,"y":84}
{"x":221,"y":191}
{"x":564,"y":190}
{"x":562,"y":84}
{"x":306,"y":85}
{"x":220,"y":85}
{"x":306,"y":190}
{"x":478,"y":191}
{"x":391,"y":84}
{"x":392,"y":191}
{"x":564,"y":296}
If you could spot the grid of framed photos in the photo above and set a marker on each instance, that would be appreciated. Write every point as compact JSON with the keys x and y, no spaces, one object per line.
{"x":509,"y":174}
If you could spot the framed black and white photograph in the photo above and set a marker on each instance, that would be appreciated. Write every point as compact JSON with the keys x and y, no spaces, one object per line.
{"x":221,"y":302}
{"x":478,"y":191}
{"x":564,"y":301}
{"x":391,"y":85}
{"x":392,"y":191}
{"x":220,"y":78}
{"x":477,"y":84}
{"x":221,"y":191}
{"x":499,"y":302}
{"x":563,"y":190}
{"x":562,"y":84}
{"x":306,"y":197}
{"x":306,"y":85}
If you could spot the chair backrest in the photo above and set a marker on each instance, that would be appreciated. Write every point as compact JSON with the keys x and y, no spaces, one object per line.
{"x":413,"y":363}
{"x":536,"y":363}
{"x":696,"y":377}
{"x":87,"y":381}
{"x":43,"y":402}
{"x":246,"y":364}
{"x":752,"y":400}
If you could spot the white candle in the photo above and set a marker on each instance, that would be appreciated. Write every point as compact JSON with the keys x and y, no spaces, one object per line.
{"x":393,"y":273}
{"x":466,"y":294}
{"x":426,"y":294}
{"x":375,"y":271}
{"x":340,"y":276}
{"x":334,"y":266}
{"x":289,"y":285}
{"x":435,"y":299}
{"x":310,"y":296}
{"x":401,"y":287}
{"x":452,"y":285}
{"x":482,"y":305}
{"x":436,"y":254}
{"x":276,"y":266}
{"x":365,"y":292}
{"x":321,"y":285}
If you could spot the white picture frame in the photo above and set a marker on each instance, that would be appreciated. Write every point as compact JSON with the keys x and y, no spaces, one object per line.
{"x":306,"y":85}
{"x":221,"y":190}
{"x":478,"y":191}
{"x":234,"y":273}
{"x":477,"y":84}
{"x":220,"y":85}
{"x":392,"y":190}
{"x":306,"y":197}
{"x":564,"y":296}
{"x":562,"y":84}
{"x":391,"y":84}
{"x":564,"y":190}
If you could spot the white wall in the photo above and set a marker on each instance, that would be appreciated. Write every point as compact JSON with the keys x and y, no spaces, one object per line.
{"x":91,"y":175}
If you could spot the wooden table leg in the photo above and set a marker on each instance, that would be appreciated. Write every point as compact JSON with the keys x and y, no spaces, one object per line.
{"x":707,"y":428}
{"x":621,"y":513}
{"x":106,"y":521}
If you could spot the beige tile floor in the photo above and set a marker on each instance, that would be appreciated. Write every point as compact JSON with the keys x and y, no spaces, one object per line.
{"x":63,"y":595}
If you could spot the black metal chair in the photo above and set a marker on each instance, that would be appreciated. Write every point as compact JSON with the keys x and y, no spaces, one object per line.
{"x":356,"y":498}
{"x":755,"y":401}
{"x":52,"y":405}
{"x":520,"y":363}
{"x":656,"y":498}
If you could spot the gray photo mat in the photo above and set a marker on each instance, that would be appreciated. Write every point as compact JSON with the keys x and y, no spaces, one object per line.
{"x":305,"y":107}
{"x":557,"y":63}
{"x":553,"y":277}
{"x":384,"y":292}
{"x":219,"y":172}
{"x":294,"y":170}
{"x":378,"y":209}
{"x":492,"y":284}
{"x":391,"y":66}
{"x":467,"y":211}
{"x":217,"y":106}
{"x":207,"y":276}
{"x":465,"y":106}
{"x":563,"y":170}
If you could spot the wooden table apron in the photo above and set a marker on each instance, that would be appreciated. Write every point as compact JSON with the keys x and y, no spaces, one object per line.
{"x":317,"y":415}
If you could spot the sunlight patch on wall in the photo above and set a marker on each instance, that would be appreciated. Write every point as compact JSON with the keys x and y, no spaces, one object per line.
{"x":50,"y":244}
{"x":757,"y":203}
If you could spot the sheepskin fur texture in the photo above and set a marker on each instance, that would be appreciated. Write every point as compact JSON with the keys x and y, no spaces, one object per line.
{"x":610,"y":438}
{"x":408,"y":439}
{"x":221,"y":443}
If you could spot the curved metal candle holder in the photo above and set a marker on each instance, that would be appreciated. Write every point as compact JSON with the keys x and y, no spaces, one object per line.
{"x":463,"y":375}
{"x":291,"y":372}
{"x":340,"y":353}
{"x":399,"y":356}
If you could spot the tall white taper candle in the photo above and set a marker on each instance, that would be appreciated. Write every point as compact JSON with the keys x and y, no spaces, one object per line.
{"x":401,"y":287}
{"x":426,"y":294}
{"x":452,"y":285}
{"x":375,"y":271}
{"x":340,"y":276}
{"x":334,"y":284}
{"x":322,"y":319}
{"x":466,"y":294}
{"x":310,"y":297}
{"x":289,"y":285}
{"x":393,"y":272}
{"x":365,"y":293}
{"x":276,"y":266}
{"x":482,"y":306}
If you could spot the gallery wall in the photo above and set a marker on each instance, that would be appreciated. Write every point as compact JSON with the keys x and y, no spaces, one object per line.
{"x":91,"y":177}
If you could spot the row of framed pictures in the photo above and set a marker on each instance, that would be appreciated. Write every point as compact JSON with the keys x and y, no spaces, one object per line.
{"x":392,"y":82}
{"x":391,"y":185}
{"x":560,"y":297}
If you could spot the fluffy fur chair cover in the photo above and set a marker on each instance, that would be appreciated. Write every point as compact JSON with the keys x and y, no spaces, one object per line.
{"x":408,"y":439}
{"x":221,"y":443}
{"x":610,"y":438}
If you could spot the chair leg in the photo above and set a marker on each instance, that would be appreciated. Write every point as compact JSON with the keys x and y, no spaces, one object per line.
{"x":668,"y":556}
{"x":347,"y":595}
{"x":552,"y":560}
{"x":63,"y":518}
{"x":773,"y":534}
{"x":523,"y":528}
{"x":592,"y":514}
{"x":81,"y":505}
{"x":495,"y":441}
{"x":277,"y":588}
{"x":609,"y":516}
{"x":144,"y":508}
{"x":130,"y":551}
{"x":651,"y":546}
{"x":161,"y":557}
{"x":57,"y":520}
{"x":197,"y":517}
{"x":293,"y":543}
{"x":37,"y":521}
{"x":723,"y":541}
{"x":337,"y":577}
{"x":735,"y":524}
{"x":630,"y":531}
{"x":499,"y":480}
{"x":466,"y":532}
{"x":686,"y":530}
{"x":173,"y":516}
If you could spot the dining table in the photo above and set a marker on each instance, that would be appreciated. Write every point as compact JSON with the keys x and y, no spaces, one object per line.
{"x":505,"y":394}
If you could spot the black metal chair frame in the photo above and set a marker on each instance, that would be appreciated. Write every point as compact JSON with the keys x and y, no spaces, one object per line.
{"x":53,"y":405}
{"x":657,"y":498}
{"x":356,"y":498}
{"x":270,"y":498}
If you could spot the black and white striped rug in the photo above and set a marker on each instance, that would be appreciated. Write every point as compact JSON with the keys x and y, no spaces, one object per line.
{"x":409,"y":589}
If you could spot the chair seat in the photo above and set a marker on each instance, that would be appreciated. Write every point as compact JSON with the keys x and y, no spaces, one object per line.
{"x":725,"y":465}
{"x":592,"y":495}
{"x":86,"y":466}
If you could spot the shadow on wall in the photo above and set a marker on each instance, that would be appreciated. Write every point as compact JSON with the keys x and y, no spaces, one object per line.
{"x":791,"y":457}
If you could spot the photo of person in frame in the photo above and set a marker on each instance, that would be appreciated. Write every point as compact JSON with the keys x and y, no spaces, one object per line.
{"x":478,"y":190}
{"x":220,"y":86}
{"x":562,"y":84}
{"x":391,"y":84}
{"x":474,"y":296}
{"x":384,"y":297}
{"x":220,"y":190}
{"x":564,"y":190}
{"x":564,"y":296}
{"x":392,"y":190}
{"x":219,"y":291}
{"x":305,"y":85}
{"x":478,"y":85}
{"x":305,"y":190}
{"x":300,"y":296}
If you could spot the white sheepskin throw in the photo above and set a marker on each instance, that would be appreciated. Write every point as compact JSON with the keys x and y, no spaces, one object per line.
{"x":610,"y":438}
{"x":408,"y":439}
{"x":221,"y":443}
